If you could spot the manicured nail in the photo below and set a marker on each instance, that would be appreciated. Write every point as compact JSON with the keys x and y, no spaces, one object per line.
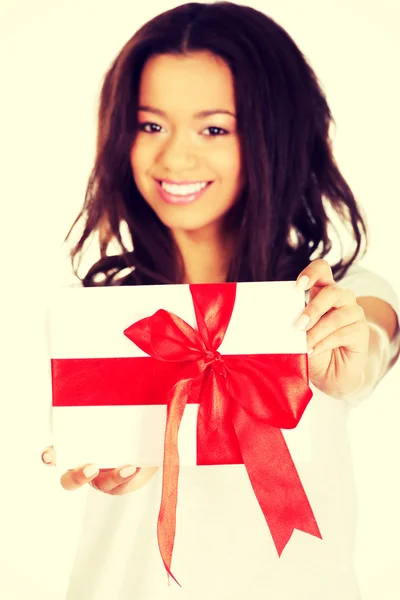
{"x":302,"y":283}
{"x":302,"y":322}
{"x":47,"y":457}
{"x":127,"y":472}
{"x":90,"y":470}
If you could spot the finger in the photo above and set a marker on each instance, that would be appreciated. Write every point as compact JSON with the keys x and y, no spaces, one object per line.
{"x":352,"y":337}
{"x":108,"y":479}
{"x":318,"y":272}
{"x":76,"y":478}
{"x":49,"y":456}
{"x":333,"y":321}
{"x":137,"y":481}
{"x":328,"y":298}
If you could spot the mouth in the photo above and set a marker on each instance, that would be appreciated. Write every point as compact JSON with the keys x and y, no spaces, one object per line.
{"x":182,"y":197}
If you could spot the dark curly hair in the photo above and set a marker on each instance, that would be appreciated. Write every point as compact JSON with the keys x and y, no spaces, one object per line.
{"x":292,"y":180}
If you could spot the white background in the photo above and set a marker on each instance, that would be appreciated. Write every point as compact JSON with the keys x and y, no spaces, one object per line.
{"x":53,"y":56}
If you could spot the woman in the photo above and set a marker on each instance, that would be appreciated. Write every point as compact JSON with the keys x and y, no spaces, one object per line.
{"x":214,"y":164}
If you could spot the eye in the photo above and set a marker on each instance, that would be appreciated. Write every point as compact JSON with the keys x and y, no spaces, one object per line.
{"x":150,"y":127}
{"x":215,"y":131}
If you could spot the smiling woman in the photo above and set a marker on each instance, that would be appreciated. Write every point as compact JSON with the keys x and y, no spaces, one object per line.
{"x":182,"y":65}
{"x":214,"y":155}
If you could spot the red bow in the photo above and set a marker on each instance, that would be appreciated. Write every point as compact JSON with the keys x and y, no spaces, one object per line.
{"x":244,"y":402}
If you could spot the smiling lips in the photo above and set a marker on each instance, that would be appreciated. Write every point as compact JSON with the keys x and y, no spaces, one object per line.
{"x":194,"y":191}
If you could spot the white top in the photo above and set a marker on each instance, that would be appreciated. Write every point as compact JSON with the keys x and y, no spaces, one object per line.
{"x":223,"y":548}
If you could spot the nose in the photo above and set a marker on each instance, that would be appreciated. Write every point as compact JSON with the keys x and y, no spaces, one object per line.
{"x":178,"y":153}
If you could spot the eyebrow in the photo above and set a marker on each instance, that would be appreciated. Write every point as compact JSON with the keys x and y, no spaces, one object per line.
{"x":200,"y":115}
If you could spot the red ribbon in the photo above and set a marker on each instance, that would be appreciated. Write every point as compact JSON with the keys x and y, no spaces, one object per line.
{"x":244,"y":402}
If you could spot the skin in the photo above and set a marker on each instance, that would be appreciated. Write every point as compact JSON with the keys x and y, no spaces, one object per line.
{"x":180,"y":145}
{"x":349,"y":337}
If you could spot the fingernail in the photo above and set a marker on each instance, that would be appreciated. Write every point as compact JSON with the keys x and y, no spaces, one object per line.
{"x":127,"y":472}
{"x":90,"y":470}
{"x":302,"y":322}
{"x":47,"y":457}
{"x":302,"y":283}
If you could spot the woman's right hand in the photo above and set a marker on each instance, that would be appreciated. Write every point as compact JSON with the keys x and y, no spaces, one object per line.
{"x":116,"y":482}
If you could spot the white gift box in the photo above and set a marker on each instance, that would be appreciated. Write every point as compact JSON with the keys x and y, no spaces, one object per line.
{"x":89,"y":323}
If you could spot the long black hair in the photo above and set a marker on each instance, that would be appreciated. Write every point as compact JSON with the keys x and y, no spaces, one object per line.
{"x":291,"y":177}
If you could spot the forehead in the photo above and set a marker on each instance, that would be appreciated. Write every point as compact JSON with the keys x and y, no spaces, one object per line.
{"x":186,"y":84}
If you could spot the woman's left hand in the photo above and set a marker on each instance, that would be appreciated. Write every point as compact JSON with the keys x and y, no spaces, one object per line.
{"x":337,"y":332}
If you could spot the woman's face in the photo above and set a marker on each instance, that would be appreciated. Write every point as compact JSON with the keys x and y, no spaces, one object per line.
{"x":187,"y":139}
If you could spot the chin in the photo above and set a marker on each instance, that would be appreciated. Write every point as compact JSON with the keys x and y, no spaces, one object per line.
{"x":189,"y":223}
{"x":187,"y":226}
{"x":191,"y":219}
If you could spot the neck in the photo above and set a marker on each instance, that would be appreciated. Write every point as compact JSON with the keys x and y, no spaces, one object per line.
{"x":206,"y":255}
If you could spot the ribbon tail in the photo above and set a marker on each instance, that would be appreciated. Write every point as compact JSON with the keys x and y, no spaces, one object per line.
{"x":275,"y":480}
{"x":217,"y":442}
{"x":166,"y":524}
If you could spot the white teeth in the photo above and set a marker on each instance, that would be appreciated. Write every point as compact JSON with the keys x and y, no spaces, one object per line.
{"x":183,"y":190}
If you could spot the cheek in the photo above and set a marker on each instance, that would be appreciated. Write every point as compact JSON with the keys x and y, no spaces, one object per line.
{"x":228,"y":160}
